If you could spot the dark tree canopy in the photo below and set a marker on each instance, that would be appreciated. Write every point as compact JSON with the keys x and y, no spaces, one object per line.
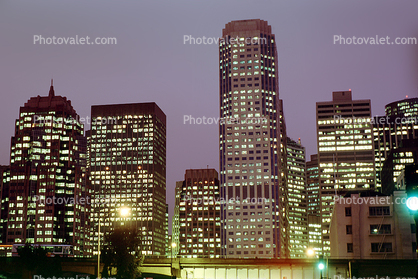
{"x":122,"y":251}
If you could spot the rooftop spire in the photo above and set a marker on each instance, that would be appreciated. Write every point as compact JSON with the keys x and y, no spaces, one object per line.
{"x":51,"y":89}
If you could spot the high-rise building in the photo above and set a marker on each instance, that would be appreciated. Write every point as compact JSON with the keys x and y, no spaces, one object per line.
{"x":399,"y":123}
{"x":345,"y":152}
{"x":4,"y":202}
{"x":128,"y":169}
{"x":397,"y":158}
{"x":167,"y":237}
{"x":252,"y":143}
{"x":48,"y":195}
{"x":313,"y":207}
{"x":199,"y":215}
{"x":175,"y":224}
{"x":297,"y":198}
{"x":312,"y":173}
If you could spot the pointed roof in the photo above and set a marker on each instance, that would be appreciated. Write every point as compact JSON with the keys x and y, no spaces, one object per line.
{"x":51,"y":89}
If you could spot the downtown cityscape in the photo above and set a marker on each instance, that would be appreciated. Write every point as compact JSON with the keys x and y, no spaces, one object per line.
{"x":94,"y":196}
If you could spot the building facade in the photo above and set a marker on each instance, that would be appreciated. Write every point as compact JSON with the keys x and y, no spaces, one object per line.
{"x":312,"y":189}
{"x":4,"y":202}
{"x":175,"y":224}
{"x":297,"y":199}
{"x":345,"y":152}
{"x":313,"y":207}
{"x":199,"y":215}
{"x":48,"y":195}
{"x":399,"y":123}
{"x":405,"y":154}
{"x":368,"y":226}
{"x":128,"y":169}
{"x":252,"y":142}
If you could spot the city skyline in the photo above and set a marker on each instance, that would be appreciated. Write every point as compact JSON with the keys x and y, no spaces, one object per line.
{"x":102,"y":75}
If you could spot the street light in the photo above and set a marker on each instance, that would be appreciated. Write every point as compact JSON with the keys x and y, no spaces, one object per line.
{"x":411,"y":187}
{"x":321,"y":267}
{"x":310,"y":252}
{"x":412,"y":203}
{"x":123,"y":211}
{"x":173,"y":245}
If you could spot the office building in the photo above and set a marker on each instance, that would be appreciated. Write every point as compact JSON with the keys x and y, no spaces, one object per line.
{"x":312,"y":189}
{"x":370,"y":226}
{"x":345,"y":152}
{"x":48,"y":196}
{"x":199,"y":215}
{"x":4,"y":203}
{"x":175,"y":225}
{"x":167,"y":237}
{"x":399,"y":123}
{"x":128,"y":169}
{"x":405,"y":154}
{"x":252,"y":143}
{"x":313,"y":207}
{"x":315,"y":234}
{"x":297,"y":198}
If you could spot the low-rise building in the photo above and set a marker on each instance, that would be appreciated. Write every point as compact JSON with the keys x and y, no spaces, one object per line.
{"x":372,"y":226}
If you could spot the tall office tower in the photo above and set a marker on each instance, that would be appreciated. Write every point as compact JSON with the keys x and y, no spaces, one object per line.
{"x":312,"y":173}
{"x":252,"y":143}
{"x":297,"y":198}
{"x":167,"y":236}
{"x":345,"y":152}
{"x":198,"y":205}
{"x":4,"y":202}
{"x":313,"y":210}
{"x":175,"y":224}
{"x":397,"y":159}
{"x":400,"y":122}
{"x":48,"y":193}
{"x":128,"y":169}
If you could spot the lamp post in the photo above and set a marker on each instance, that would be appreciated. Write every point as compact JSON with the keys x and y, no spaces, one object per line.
{"x":412,"y":204}
{"x":123,"y":211}
{"x":98,"y":252}
{"x":173,"y":245}
{"x":310,"y":252}
{"x":321,"y":266}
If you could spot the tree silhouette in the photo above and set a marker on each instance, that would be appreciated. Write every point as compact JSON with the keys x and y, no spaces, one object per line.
{"x":35,"y":261}
{"x":122,"y":251}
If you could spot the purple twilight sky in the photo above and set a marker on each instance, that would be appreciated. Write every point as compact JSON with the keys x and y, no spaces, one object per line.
{"x":151,"y":63}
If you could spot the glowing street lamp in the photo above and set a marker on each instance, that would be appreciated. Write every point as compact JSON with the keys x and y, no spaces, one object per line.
{"x":123,"y":211}
{"x":321,"y":267}
{"x":310,"y":252}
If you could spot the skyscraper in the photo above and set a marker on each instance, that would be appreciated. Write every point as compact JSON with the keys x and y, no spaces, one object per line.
{"x":128,"y":169}
{"x":175,"y":224}
{"x":252,"y":143}
{"x":345,"y":152}
{"x":397,"y":159}
{"x":314,"y":209}
{"x":198,"y":228}
{"x":312,"y":174}
{"x":4,"y":202}
{"x":48,"y":195}
{"x":297,"y":198}
{"x":399,"y":123}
